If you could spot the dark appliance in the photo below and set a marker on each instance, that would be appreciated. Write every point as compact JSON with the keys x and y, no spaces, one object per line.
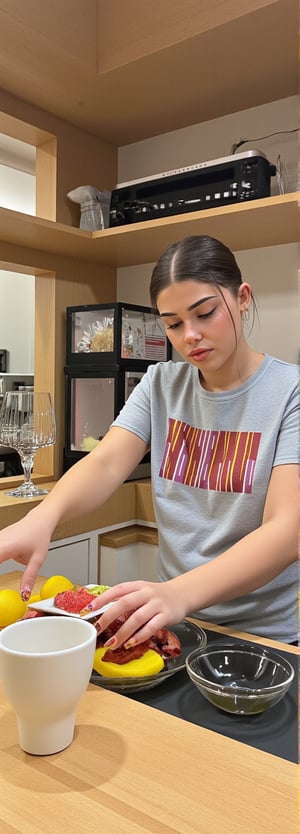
{"x":232,"y":179}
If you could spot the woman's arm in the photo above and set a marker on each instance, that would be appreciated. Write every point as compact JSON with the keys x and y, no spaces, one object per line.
{"x":262,"y":554}
{"x":249,"y":564}
{"x":84,"y":488}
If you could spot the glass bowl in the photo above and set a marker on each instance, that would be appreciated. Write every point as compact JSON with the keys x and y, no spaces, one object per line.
{"x":191,"y":637}
{"x":240,"y":678}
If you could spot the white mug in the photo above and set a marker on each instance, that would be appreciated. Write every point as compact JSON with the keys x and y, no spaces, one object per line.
{"x":45,"y":667}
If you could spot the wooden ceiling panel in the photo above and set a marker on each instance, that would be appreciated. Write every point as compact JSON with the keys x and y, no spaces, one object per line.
{"x":66,"y":27}
{"x":130,"y":31}
{"x":246,"y":62}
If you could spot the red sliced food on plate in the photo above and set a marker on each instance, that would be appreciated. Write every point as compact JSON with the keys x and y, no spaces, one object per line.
{"x":73,"y":601}
{"x":164,"y":642}
{"x":122,"y":655}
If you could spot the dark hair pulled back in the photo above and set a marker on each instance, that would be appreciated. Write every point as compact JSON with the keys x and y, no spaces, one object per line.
{"x":199,"y":258}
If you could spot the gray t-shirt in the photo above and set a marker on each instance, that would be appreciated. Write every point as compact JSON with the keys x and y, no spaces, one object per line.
{"x":211,"y":459}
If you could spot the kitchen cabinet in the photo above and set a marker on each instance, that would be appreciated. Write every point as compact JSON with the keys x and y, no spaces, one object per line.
{"x":127,"y":563}
{"x":117,"y":542}
{"x":127,"y":554}
{"x":75,"y":558}
{"x":85,"y":559}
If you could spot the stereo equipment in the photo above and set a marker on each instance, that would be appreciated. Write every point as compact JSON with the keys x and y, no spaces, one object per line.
{"x":231,"y":179}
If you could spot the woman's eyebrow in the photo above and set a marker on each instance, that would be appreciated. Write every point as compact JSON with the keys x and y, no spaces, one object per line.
{"x":192,"y":306}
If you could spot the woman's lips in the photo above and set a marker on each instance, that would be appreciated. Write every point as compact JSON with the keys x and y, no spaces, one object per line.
{"x":200,"y":354}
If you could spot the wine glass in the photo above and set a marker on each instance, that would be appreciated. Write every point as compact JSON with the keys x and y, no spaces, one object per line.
{"x":27,"y":423}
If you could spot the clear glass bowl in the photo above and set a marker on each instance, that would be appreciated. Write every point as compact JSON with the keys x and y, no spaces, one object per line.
{"x":240,"y":678}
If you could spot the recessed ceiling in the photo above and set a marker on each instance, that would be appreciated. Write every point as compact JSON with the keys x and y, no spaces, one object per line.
{"x":50,"y":56}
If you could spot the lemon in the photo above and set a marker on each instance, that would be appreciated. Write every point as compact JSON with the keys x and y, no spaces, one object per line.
{"x":149,"y":664}
{"x":54,"y":585}
{"x":12,"y":607}
{"x":33,"y":598}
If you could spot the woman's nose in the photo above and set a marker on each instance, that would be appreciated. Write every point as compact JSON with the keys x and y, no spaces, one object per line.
{"x":192,"y":332}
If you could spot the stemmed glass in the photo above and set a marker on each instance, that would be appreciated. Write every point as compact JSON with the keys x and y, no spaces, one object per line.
{"x":27,"y":423}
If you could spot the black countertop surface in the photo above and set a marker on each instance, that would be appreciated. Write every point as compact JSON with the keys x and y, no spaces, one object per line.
{"x":274,"y":731}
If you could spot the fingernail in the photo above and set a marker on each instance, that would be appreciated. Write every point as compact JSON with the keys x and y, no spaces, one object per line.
{"x":89,"y":607}
{"x":97,"y":626}
{"x":25,"y":594}
{"x":130,"y":643}
{"x":111,"y":642}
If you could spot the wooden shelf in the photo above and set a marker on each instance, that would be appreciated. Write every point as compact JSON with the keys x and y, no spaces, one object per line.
{"x":266,"y":222}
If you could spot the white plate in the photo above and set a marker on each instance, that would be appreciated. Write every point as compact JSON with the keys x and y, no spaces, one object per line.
{"x":48,"y":607}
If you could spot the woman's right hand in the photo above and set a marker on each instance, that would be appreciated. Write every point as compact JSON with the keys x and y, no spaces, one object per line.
{"x":27,"y":542}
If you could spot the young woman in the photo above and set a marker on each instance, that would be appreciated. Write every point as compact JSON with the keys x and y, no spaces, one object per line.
{"x":223,"y":428}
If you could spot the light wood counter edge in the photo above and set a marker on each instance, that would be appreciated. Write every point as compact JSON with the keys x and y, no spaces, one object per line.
{"x":118,"y":510}
{"x":133,"y":500}
{"x":242,"y":635}
{"x":129,"y":535}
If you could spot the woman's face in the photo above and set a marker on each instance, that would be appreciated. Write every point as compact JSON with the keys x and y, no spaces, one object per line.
{"x":203,"y":325}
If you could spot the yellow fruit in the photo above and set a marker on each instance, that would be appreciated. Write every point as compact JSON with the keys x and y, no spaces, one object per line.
{"x":149,"y":664}
{"x":34,"y":598}
{"x":12,"y":607}
{"x":54,"y":585}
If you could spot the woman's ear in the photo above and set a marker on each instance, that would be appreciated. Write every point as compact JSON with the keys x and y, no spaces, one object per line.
{"x":244,"y":296}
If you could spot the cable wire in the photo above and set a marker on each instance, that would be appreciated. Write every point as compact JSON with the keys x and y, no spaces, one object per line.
{"x":243,"y":140}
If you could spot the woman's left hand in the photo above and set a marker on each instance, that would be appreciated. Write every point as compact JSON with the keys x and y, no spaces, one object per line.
{"x":153,"y":605}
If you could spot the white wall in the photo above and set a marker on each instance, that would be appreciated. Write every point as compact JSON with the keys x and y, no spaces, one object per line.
{"x":17,"y":308}
{"x":17,"y":190}
{"x":272,"y":271}
{"x":17,"y":320}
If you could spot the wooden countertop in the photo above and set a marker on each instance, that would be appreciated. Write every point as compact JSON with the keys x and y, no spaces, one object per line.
{"x":125,"y":505}
{"x":132,"y":769}
{"x":132,"y":501}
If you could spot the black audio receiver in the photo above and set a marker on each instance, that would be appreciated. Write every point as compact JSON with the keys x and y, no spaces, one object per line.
{"x":232,"y":179}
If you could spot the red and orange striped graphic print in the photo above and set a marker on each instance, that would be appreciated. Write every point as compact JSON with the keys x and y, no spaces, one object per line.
{"x":223,"y":461}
